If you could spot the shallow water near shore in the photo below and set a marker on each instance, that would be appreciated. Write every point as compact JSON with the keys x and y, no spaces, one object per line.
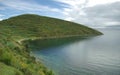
{"x":98,"y":55}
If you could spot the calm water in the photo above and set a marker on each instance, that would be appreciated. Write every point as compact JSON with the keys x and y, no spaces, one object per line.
{"x":87,"y":56}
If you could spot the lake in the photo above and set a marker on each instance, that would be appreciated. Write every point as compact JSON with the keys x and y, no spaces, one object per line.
{"x":98,"y":55}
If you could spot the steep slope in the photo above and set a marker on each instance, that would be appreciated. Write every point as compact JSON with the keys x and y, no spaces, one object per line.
{"x":15,"y":55}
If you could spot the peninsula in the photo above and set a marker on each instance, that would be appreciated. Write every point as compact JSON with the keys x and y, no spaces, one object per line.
{"x":15,"y":56}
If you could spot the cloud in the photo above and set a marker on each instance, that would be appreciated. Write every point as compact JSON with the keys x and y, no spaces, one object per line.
{"x":26,"y":6}
{"x":94,"y":13}
{"x":99,"y":2}
{"x":74,"y":9}
{"x":103,"y":15}
{"x":16,"y":7}
{"x":2,"y":8}
{"x":1,"y":16}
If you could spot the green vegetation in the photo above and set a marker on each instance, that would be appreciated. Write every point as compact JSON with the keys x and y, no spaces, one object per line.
{"x":15,"y":56}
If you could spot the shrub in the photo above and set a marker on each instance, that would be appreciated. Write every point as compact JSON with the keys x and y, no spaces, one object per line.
{"x":6,"y":58}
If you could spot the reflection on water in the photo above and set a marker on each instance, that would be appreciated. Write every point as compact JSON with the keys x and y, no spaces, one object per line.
{"x":91,"y":56}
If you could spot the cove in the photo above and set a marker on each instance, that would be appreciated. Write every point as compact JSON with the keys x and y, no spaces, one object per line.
{"x":98,"y":55}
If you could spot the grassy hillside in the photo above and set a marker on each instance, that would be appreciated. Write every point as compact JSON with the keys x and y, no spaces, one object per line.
{"x":40,"y":26}
{"x":14,"y":55}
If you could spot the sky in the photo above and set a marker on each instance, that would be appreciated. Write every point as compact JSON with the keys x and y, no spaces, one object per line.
{"x":92,"y":13}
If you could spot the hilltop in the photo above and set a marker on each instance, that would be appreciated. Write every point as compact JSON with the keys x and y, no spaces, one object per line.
{"x":15,"y":56}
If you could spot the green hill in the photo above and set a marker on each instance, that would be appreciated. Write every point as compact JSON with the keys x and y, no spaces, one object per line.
{"x":14,"y":55}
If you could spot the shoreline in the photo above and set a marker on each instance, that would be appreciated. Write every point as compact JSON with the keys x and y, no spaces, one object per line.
{"x":54,"y":37}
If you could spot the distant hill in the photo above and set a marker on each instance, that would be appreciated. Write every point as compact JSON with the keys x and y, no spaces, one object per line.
{"x":15,"y":58}
{"x":41,"y":26}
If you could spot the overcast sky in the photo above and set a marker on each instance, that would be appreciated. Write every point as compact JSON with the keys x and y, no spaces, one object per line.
{"x":93,"y":13}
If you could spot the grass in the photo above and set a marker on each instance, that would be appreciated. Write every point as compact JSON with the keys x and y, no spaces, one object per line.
{"x":5,"y":70}
{"x":15,"y":56}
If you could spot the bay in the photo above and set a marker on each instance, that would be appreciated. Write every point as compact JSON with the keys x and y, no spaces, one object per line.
{"x":98,"y":55}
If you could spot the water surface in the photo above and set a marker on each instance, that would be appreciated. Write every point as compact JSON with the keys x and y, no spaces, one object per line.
{"x":81,"y":56}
